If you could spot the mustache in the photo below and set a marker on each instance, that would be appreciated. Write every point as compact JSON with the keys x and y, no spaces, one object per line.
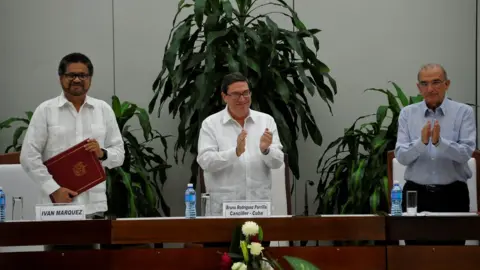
{"x":75,"y":84}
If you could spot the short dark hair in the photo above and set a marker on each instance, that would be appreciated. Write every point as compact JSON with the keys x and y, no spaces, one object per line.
{"x":74,"y":58}
{"x":233,"y":78}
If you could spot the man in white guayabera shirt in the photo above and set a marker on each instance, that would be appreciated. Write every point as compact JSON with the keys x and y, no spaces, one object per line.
{"x":62,"y":122}
{"x":238,"y":147}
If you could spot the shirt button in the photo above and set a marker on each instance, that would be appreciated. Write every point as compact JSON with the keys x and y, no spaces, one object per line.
{"x":433,"y":158}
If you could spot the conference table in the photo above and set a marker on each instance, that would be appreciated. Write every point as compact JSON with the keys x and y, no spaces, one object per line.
{"x":348,"y":242}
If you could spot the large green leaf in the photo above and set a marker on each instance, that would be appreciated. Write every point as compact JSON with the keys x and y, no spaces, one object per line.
{"x":227,"y":8}
{"x":29,"y":116}
{"x":7,"y":123}
{"x":299,"y":264}
{"x":199,"y":10}
{"x":116,"y":107}
{"x":18,"y":133}
{"x":381,"y":114}
{"x":392,"y":101}
{"x":131,"y":196}
{"x":401,"y":96}
{"x":144,"y":120}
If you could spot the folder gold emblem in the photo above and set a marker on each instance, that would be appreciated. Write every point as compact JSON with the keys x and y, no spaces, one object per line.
{"x":79,"y":169}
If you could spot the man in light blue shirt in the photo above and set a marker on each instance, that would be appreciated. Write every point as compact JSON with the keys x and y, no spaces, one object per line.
{"x":436,"y":138}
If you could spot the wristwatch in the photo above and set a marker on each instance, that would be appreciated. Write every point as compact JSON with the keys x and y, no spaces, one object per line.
{"x":105,"y":155}
{"x":266,"y":151}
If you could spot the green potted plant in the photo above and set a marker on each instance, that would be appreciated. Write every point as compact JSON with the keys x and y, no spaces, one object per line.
{"x":135,"y":188}
{"x":353,"y":168}
{"x":222,"y":36}
{"x":19,"y":131}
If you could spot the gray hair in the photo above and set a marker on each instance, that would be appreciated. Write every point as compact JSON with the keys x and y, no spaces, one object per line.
{"x":430,"y":66}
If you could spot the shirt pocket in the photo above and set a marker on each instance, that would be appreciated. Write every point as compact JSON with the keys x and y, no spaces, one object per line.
{"x":450,"y":133}
{"x":56,"y":139}
{"x":99,"y":133}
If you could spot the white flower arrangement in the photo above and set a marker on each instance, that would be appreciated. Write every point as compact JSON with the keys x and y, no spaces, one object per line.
{"x":249,"y":254}
{"x":252,"y":249}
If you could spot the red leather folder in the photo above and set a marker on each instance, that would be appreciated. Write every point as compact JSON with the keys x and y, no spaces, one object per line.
{"x":76,"y":169}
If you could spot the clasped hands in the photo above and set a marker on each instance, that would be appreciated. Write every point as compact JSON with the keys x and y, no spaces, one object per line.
{"x":433,"y":133}
{"x":265,"y":141}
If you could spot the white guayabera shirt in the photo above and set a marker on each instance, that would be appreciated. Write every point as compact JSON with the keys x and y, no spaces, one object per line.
{"x":56,"y":126}
{"x":228,"y":177}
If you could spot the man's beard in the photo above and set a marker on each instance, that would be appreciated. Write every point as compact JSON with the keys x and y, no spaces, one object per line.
{"x":76,"y":89}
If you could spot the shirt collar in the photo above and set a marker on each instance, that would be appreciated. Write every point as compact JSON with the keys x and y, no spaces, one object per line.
{"x":442,"y":108}
{"x":226,"y":116}
{"x":62,"y":100}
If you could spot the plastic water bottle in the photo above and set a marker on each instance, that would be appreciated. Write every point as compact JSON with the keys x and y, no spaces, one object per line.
{"x":190,"y":202}
{"x":396,"y":196}
{"x":3,"y":210}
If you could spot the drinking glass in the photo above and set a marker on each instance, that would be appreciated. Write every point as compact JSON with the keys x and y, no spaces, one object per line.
{"x":206,"y":205}
{"x":412,"y":203}
{"x":17,"y":208}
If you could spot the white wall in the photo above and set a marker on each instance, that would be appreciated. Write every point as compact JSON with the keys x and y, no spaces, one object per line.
{"x":365,"y":43}
{"x":35,"y":35}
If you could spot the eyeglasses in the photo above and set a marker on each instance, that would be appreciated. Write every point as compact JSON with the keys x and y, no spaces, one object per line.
{"x":80,"y":76}
{"x":435,"y":83}
{"x":235,"y":96}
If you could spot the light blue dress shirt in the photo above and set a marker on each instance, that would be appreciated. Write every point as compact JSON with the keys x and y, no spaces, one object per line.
{"x":446,"y":162}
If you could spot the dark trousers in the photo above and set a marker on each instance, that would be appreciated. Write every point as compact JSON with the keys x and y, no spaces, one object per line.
{"x":453,"y":197}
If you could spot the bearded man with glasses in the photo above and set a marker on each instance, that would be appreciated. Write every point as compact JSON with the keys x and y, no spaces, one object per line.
{"x":66,"y":120}
{"x":238,"y":147}
{"x":436,"y":139}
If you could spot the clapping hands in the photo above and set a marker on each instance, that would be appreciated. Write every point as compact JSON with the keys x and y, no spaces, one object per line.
{"x":433,"y":133}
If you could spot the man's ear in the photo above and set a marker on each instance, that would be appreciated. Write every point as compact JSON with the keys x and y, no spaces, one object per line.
{"x":223,"y":98}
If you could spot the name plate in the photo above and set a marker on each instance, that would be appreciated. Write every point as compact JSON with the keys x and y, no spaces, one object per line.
{"x":246,"y":209}
{"x":60,"y":212}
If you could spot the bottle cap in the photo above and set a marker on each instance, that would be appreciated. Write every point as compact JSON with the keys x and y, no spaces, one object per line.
{"x":396,"y":182}
{"x":190,"y":185}
{"x":1,"y":188}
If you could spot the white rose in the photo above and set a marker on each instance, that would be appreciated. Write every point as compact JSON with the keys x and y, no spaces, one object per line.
{"x":239,"y":266}
{"x":255,"y":248}
{"x":250,"y":228}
